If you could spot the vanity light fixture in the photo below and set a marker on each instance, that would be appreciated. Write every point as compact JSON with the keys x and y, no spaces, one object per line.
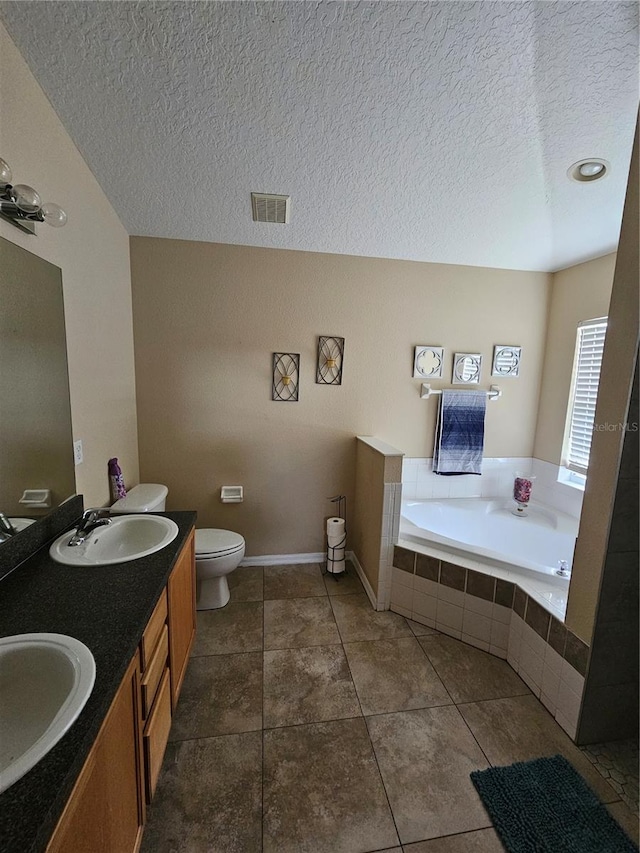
{"x":20,"y":204}
{"x":586,"y":171}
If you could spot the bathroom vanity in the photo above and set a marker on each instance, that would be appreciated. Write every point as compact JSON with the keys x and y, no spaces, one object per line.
{"x":90,"y":793}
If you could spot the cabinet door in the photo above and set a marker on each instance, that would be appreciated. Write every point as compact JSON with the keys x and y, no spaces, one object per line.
{"x":156,"y":735}
{"x":182,"y":615}
{"x":105,"y":811}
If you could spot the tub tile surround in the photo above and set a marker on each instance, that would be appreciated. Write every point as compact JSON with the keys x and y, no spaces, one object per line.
{"x":496,"y":481}
{"x":550,"y":593}
{"x":499,"y":617}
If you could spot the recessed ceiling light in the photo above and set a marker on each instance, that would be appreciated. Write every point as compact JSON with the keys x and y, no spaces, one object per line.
{"x":590,"y":170}
{"x":585,"y":171}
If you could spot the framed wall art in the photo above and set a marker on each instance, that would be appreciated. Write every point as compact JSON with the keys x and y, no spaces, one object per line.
{"x":330,"y":357}
{"x":427,"y":362}
{"x":506,"y":360}
{"x":285,"y":377}
{"x":467,"y":367}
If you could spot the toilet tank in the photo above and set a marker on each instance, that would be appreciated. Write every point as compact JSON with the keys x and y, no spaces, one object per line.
{"x":147,"y":497}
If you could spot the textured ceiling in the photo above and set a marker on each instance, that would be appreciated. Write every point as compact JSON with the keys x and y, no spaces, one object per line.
{"x":435,"y":131}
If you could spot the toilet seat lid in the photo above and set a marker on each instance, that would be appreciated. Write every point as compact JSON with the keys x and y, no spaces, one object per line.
{"x":211,"y":540}
{"x":145,"y":497}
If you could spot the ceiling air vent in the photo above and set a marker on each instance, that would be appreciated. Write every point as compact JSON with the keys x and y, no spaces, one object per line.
{"x":270,"y":208}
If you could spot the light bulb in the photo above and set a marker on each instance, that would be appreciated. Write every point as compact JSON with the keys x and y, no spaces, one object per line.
{"x":27,"y":199}
{"x":53,"y":214}
{"x":591,"y":169}
{"x":5,"y":173}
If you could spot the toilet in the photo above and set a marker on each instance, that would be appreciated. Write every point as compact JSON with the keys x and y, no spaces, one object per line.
{"x":218,"y":552}
{"x":147,"y":497}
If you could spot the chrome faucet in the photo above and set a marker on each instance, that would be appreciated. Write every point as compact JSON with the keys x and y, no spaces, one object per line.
{"x":91,"y":518}
{"x":6,"y":528}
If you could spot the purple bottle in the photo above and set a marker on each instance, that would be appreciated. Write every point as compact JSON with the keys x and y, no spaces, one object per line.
{"x":116,"y":481}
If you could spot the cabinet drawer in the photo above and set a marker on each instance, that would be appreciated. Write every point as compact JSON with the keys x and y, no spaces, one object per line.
{"x":153,"y":631}
{"x":156,"y":734}
{"x":153,"y":674}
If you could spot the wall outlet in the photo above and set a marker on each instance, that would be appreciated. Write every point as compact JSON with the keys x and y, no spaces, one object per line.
{"x":77,"y":452}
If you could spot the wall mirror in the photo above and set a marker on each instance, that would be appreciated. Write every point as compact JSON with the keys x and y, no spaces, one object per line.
{"x":36,"y":443}
{"x":506,"y":360}
{"x":467,"y":367}
{"x":427,"y":362}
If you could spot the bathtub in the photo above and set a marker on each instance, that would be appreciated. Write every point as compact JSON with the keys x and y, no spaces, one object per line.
{"x":486,"y":531}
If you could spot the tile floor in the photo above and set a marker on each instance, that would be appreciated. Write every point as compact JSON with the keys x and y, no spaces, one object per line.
{"x":619,"y":763}
{"x":309,"y":723}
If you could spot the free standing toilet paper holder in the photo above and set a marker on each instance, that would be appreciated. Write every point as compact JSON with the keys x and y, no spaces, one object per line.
{"x":335,"y":552}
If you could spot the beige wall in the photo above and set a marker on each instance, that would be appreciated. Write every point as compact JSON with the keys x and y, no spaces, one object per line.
{"x":207,"y":318}
{"x":93,"y":252}
{"x":616,"y":377}
{"x":375,"y":469}
{"x":577,"y":293}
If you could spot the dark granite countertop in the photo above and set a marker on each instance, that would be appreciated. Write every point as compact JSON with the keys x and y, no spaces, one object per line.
{"x":107,"y":608}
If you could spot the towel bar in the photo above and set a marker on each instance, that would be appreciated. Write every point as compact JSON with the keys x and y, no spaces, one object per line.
{"x":426,"y":391}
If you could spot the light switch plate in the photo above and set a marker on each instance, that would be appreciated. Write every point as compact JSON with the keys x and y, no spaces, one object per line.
{"x":77,"y":452}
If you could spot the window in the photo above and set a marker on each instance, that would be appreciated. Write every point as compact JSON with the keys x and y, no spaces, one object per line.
{"x":584,"y":393}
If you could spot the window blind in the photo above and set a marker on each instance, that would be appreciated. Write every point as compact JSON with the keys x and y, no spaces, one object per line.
{"x":584,"y":393}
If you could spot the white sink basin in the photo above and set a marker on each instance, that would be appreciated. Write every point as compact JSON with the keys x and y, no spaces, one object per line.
{"x":45,"y":681}
{"x":128,"y":537}
{"x":21,"y":523}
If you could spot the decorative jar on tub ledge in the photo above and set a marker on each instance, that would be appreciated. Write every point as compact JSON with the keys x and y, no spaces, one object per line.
{"x":522,"y":485}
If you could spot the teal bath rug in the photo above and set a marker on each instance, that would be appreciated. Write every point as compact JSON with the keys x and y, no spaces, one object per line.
{"x":545,"y":806}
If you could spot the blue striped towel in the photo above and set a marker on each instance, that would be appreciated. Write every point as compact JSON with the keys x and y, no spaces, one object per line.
{"x":460,"y":433}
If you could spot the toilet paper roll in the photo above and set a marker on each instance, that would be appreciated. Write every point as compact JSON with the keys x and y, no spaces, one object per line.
{"x":335,"y":567}
{"x":336,"y":541}
{"x":335,"y":530}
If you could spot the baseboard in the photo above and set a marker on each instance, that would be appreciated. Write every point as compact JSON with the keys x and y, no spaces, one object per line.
{"x":284,"y":559}
{"x":365,"y":580}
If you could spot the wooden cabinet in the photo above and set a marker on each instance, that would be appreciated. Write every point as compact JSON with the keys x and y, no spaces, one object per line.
{"x":182,"y":615}
{"x":152,"y":632}
{"x":156,"y":735}
{"x":153,"y":675}
{"x":155,"y":695}
{"x":106,"y":810}
{"x":155,"y":700}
